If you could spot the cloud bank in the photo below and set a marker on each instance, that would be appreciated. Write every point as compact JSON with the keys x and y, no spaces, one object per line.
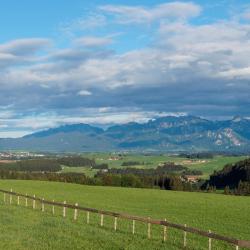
{"x":197,"y":68}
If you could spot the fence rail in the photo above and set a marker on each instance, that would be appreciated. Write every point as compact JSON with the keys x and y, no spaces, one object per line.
{"x":210,"y":235}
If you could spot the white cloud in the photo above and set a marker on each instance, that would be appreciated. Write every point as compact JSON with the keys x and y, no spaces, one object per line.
{"x":202,"y":51}
{"x":104,"y":109}
{"x":246,"y":14}
{"x":7,"y":59}
{"x":19,"y":126}
{"x":93,"y":41}
{"x":24,"y":46}
{"x":84,"y":93}
{"x":6,"y":114}
{"x":140,"y":14}
{"x":92,"y":21}
{"x":236,"y":73}
{"x":13,"y":134}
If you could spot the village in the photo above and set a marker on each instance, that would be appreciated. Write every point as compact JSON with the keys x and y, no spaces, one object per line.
{"x":10,"y":156}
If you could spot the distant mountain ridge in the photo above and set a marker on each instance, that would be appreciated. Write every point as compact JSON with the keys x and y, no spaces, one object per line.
{"x":83,"y":128}
{"x":170,"y":133}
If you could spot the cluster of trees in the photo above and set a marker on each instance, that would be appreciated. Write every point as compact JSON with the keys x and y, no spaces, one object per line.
{"x":76,"y":161}
{"x":166,"y":168}
{"x":167,"y":182}
{"x":131,"y":171}
{"x":233,"y":178}
{"x":126,"y":180}
{"x":36,"y":165}
{"x":202,"y":155}
{"x":231,"y":175}
{"x":101,"y":166}
{"x":192,"y":172}
{"x":44,"y":176}
{"x":174,"y":182}
{"x":50,"y":164}
{"x":242,"y":189}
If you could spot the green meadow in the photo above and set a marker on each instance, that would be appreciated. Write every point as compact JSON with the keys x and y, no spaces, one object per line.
{"x":24,"y":228}
{"x":207,"y":166}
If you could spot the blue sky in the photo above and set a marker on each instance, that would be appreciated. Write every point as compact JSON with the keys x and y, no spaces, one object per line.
{"x":106,"y":62}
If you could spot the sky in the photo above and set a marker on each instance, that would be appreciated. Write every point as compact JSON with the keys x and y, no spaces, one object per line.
{"x":111,"y":62}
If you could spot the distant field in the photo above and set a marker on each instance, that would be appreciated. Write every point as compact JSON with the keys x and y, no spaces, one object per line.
{"x":217,"y":163}
{"x":85,"y":170}
{"x":207,"y":166}
{"x":23,"y":228}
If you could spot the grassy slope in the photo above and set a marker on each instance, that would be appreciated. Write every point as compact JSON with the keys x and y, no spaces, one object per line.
{"x":217,"y":163}
{"x":23,"y":228}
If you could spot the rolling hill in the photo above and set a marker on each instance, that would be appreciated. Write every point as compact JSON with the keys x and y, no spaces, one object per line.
{"x":170,"y":133}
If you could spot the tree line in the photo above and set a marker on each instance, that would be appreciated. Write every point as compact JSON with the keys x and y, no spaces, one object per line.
{"x":44,"y":165}
{"x":50,"y":164}
{"x":167,"y":182}
{"x":201,"y":155}
{"x":166,"y":168}
{"x":231,"y":175}
{"x":76,"y":161}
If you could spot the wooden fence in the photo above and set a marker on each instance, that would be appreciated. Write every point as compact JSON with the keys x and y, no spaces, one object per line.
{"x":164,"y":223}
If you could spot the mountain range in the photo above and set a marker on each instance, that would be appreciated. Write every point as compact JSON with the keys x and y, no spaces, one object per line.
{"x":169,"y":134}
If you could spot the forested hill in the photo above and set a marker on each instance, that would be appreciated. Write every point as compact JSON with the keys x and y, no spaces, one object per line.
{"x":170,"y":133}
{"x":231,"y":175}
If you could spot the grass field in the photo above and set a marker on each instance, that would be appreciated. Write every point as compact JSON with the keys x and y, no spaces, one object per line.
{"x":85,"y":170}
{"x":207,"y":166}
{"x":24,"y":228}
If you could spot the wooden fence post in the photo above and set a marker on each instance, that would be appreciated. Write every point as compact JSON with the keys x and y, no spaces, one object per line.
{"x":42,"y":204}
{"x":164,"y":232}
{"x":88,"y":217}
{"x":26,"y":200}
{"x":209,"y":242}
{"x":18,"y":200}
{"x":10,"y":197}
{"x":133,"y":227}
{"x":101,"y":220}
{"x":115,"y":223}
{"x":64,"y":210}
{"x":4,"y":197}
{"x":34,"y":202}
{"x":185,"y":237}
{"x":53,"y":208}
{"x":75,"y":212}
{"x":149,"y":229}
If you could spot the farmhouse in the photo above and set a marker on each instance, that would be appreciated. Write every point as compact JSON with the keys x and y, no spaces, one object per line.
{"x":192,"y":178}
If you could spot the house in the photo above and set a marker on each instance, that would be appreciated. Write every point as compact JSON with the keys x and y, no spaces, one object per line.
{"x":192,"y":178}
